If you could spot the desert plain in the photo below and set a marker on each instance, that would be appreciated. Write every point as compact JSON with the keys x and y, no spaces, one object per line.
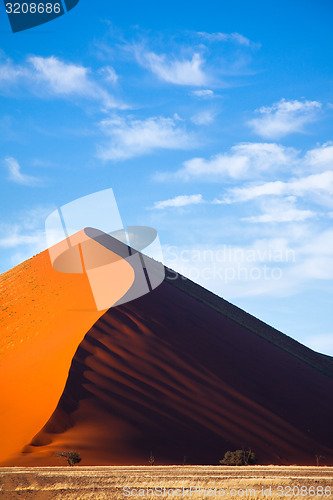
{"x":198,"y":482}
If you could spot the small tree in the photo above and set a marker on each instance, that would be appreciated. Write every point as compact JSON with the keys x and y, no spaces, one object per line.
{"x":72,"y":457}
{"x":151,"y":458}
{"x":239,"y":457}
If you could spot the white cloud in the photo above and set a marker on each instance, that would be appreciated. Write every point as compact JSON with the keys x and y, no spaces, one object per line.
{"x":109,"y":74}
{"x":179,"y":201}
{"x":226,"y":37}
{"x":50,"y":76}
{"x":255,"y":161}
{"x":316,"y":257}
{"x":276,"y":210}
{"x":128,"y":138}
{"x":322,"y":182}
{"x":320,"y":157}
{"x":25,"y":237}
{"x":242,"y":161}
{"x":320,"y":245}
{"x":271,"y":266}
{"x":284,"y":117}
{"x":14,"y":238}
{"x":10,"y":73}
{"x":62,"y":78}
{"x":204,"y":93}
{"x":204,"y":117}
{"x":321,"y":343}
{"x":177,"y":71}
{"x":260,"y":268}
{"x":15,"y":174}
{"x":65,"y":79}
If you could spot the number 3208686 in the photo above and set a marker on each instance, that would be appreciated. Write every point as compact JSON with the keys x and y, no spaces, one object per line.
{"x":33,"y":8}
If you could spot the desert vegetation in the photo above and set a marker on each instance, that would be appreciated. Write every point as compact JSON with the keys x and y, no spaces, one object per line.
{"x":239,"y":457}
{"x":72,"y":457}
{"x":151,"y":458}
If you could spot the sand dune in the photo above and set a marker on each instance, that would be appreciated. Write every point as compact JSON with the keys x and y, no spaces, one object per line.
{"x":179,"y":372}
{"x":44,"y":317}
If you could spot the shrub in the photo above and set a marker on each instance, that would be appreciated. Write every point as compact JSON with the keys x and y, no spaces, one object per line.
{"x":239,"y":457}
{"x":72,"y":457}
{"x":151,"y":458}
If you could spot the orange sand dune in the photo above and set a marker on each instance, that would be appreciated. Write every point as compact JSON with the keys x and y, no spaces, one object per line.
{"x":44,"y":317}
{"x":179,"y":372}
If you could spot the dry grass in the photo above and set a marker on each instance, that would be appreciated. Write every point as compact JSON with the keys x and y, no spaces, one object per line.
{"x":101,"y":483}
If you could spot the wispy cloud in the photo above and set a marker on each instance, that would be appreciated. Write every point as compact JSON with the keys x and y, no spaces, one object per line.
{"x":322,"y":343}
{"x":14,"y":238}
{"x":255,"y":160}
{"x":271,"y":266}
{"x":129,"y":137}
{"x":194,"y":62}
{"x":276,"y":210}
{"x":50,"y":76}
{"x":241,"y":161}
{"x":320,"y":157}
{"x":254,"y":269}
{"x":313,"y":184}
{"x":225,"y":37}
{"x":179,"y":201}
{"x":15,"y":174}
{"x":65,"y":79}
{"x":284,"y":117}
{"x":204,"y":117}
{"x":10,"y":72}
{"x":203,"y":94}
{"x":179,"y":71}
{"x":109,"y":74}
{"x":60,"y":77}
{"x":25,"y":237}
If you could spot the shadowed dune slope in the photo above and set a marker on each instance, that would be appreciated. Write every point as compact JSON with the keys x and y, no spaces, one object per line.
{"x":181,"y":372}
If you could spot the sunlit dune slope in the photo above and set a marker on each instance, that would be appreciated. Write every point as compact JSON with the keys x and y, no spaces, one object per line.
{"x":44,"y":315}
{"x":180,"y":372}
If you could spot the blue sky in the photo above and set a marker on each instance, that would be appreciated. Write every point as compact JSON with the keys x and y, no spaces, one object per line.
{"x":211,"y":121}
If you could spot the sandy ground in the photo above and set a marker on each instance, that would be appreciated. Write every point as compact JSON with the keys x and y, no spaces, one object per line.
{"x":199,"y":482}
